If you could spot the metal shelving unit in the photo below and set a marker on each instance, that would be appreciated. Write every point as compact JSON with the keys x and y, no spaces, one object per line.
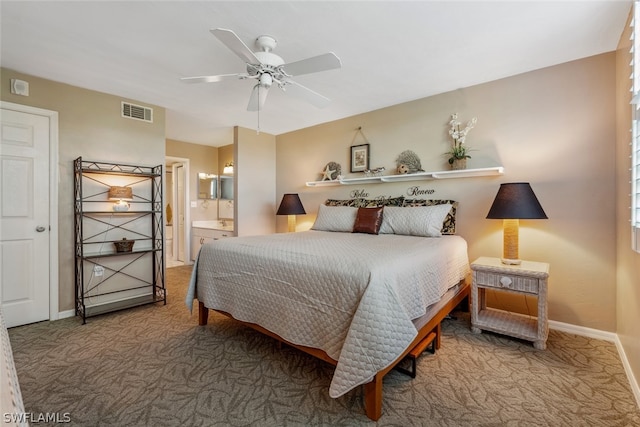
{"x":107,"y":280}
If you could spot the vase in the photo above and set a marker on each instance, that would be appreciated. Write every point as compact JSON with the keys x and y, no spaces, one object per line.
{"x":459,"y":164}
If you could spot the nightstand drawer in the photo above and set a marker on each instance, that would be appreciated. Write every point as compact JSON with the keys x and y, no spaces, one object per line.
{"x":506,"y":281}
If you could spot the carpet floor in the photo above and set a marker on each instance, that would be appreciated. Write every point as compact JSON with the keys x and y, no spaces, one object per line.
{"x":154,"y":366}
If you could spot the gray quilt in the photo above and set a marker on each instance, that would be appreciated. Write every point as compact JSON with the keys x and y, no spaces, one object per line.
{"x":352,"y":295}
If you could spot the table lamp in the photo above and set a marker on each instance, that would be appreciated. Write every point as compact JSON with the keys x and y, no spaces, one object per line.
{"x":120,"y":194}
{"x":291,"y":206}
{"x":514,"y":201}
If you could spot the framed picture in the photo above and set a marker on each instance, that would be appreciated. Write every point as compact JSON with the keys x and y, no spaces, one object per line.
{"x":359,"y":158}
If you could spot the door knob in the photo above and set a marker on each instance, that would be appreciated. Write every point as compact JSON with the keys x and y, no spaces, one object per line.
{"x":40,"y":229}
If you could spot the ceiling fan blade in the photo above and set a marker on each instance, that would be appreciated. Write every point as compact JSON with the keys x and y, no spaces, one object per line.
{"x":212,"y":79}
{"x":302,"y":92}
{"x":258,"y":98}
{"x":327,"y":61}
{"x":233,"y":42}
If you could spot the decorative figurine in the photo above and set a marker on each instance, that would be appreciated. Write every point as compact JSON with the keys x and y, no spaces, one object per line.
{"x":408,"y":162}
{"x":331,"y":171}
{"x":374,"y":172}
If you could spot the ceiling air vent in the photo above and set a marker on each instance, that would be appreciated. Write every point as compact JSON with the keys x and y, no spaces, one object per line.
{"x":137,"y":112}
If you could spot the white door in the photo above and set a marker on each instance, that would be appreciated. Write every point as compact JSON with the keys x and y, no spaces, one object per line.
{"x":24,"y":217}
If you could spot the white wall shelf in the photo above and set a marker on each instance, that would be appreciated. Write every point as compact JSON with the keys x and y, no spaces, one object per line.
{"x":464,"y":173}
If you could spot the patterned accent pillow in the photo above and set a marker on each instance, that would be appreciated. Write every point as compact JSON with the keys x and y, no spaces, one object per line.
{"x":335,"y":218}
{"x":424,"y":221}
{"x":449,"y":223}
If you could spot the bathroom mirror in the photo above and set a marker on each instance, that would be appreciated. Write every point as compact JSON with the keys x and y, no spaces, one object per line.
{"x":226,"y":187}
{"x":207,"y":186}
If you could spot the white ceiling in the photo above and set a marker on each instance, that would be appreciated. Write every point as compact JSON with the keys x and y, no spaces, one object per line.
{"x":391,"y":51}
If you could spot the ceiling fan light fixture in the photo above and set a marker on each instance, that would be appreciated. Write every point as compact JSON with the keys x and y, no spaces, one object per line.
{"x":266,"y":80}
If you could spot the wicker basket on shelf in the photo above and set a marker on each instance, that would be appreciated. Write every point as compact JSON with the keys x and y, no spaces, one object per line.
{"x":124,"y":245}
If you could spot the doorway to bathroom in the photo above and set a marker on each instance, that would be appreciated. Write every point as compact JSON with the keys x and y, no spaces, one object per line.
{"x":176,"y":212}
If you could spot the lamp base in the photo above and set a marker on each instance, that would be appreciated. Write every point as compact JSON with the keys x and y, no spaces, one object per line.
{"x":510,"y":255}
{"x":291,"y":222}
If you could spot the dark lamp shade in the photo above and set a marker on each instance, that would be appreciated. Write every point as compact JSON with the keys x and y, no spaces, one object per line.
{"x":516,"y":200}
{"x":291,"y":205}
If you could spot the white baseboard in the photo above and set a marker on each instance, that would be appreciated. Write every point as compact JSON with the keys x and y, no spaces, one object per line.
{"x":607,"y":336}
{"x":582,"y":331}
{"x":66,"y":314}
{"x":635,"y":388}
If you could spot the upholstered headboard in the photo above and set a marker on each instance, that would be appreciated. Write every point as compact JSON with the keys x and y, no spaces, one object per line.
{"x":448,"y":226}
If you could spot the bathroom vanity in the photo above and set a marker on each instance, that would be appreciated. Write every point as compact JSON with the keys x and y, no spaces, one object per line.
{"x":207,"y":231}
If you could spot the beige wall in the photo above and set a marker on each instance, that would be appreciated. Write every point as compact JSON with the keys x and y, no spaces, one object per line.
{"x":255,"y":175}
{"x":554,"y":128}
{"x":91,"y":126}
{"x":628,"y":262}
{"x":202,"y":158}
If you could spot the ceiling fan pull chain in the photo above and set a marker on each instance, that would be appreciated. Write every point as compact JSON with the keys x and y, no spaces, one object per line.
{"x":258,"y":130}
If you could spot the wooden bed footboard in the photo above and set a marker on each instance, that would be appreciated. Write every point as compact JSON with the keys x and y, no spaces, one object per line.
{"x":373,"y":389}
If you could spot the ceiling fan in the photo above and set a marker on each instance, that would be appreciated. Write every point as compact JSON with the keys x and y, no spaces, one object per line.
{"x":268,"y":68}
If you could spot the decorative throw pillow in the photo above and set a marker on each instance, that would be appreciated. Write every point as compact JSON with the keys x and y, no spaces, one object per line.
{"x":425,"y":221}
{"x":335,"y":218}
{"x":449,"y":223}
{"x":368,"y":220}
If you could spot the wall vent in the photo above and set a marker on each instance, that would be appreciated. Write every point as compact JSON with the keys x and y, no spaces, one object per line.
{"x":132,"y":111}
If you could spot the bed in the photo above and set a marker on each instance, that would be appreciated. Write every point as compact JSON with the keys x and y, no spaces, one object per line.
{"x":11,"y":405}
{"x":360,"y":289}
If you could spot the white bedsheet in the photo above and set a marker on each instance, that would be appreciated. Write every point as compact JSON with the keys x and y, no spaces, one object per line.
{"x":352,"y":295}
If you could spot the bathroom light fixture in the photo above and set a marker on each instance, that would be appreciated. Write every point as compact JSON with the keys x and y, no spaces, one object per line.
{"x":120,"y":194}
{"x":291,"y":206}
{"x":228,"y":168}
{"x":513,"y":202}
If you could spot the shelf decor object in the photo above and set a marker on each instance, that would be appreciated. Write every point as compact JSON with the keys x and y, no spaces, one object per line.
{"x":408,"y":162}
{"x":514,"y":201}
{"x":291,"y":206}
{"x":110,"y":274}
{"x":359,"y":158}
{"x":459,"y":152}
{"x":331,"y":171}
{"x":124,"y":245}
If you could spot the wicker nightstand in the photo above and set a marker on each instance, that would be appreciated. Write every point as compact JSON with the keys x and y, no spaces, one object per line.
{"x":528,"y":278}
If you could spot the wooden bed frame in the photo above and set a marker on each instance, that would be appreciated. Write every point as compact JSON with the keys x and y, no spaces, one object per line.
{"x":373,"y":389}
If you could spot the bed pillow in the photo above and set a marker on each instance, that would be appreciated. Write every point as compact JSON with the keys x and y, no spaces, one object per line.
{"x":368,"y":220}
{"x":335,"y":218}
{"x":449,"y":223}
{"x":424,"y":221}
